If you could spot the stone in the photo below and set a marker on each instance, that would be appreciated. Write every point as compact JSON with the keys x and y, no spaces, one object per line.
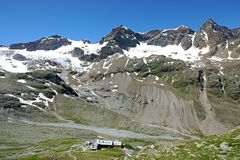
{"x":19,"y":57}
{"x":224,"y":147}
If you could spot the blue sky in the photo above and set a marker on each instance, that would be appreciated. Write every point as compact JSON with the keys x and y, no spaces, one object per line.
{"x":26,"y":20}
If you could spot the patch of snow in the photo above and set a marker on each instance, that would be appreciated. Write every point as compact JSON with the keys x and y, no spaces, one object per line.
{"x":204,"y":34}
{"x":47,"y":84}
{"x":45,"y":98}
{"x":10,"y":119}
{"x":11,"y":65}
{"x":143,"y":50}
{"x":31,"y":88}
{"x":114,"y":90}
{"x":106,"y":67}
{"x":126,"y":63}
{"x":229,"y":54}
{"x":65,"y":95}
{"x":138,"y":80}
{"x":59,"y":56}
{"x":115,"y":86}
{"x":218,"y":59}
{"x":170,"y":29}
{"x":124,"y":27}
{"x":21,"y":81}
{"x":30,"y":103}
{"x":145,"y":61}
{"x":220,"y":71}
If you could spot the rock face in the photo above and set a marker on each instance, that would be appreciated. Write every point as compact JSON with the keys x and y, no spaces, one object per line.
{"x":46,"y":43}
{"x":197,"y":96}
{"x":222,"y":41}
{"x":150,"y":35}
{"x":182,"y":35}
{"x":164,"y":108}
{"x":108,"y":50}
{"x":77,"y":52}
{"x":9,"y":102}
{"x":216,"y":34}
{"x":122,"y":37}
{"x":19,"y":57}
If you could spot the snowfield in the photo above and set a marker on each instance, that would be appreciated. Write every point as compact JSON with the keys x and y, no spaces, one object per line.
{"x":171,"y":51}
{"x":60,"y":56}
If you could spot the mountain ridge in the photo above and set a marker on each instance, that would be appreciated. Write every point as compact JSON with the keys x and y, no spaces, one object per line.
{"x":221,"y":41}
{"x":177,"y":78}
{"x":208,"y":21}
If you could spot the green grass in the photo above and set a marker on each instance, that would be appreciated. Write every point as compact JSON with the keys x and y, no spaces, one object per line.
{"x":107,"y":154}
{"x":133,"y":143}
{"x":190,"y":150}
{"x":62,"y":148}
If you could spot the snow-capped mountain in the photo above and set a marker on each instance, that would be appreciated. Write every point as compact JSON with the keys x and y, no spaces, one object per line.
{"x":212,"y":41}
{"x":180,"y":79}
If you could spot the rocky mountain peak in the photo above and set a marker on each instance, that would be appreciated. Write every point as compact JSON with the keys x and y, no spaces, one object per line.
{"x":209,"y":21}
{"x":56,"y":37}
{"x":121,"y":27}
{"x":210,"y":25}
{"x":122,"y":37}
{"x":46,"y":43}
{"x":182,"y":27}
{"x":184,"y":30}
{"x":216,"y":33}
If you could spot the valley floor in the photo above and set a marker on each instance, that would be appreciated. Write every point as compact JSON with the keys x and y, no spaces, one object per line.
{"x":33,"y":142}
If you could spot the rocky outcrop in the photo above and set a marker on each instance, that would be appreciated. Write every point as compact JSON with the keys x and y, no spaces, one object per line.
{"x":90,"y":57}
{"x":49,"y":76}
{"x":216,"y":34}
{"x":7,"y":102}
{"x":46,"y":43}
{"x":150,"y":35}
{"x":122,"y":37}
{"x":2,"y":74}
{"x":19,"y":57}
{"x":222,"y":41}
{"x":108,"y":50}
{"x":77,"y":52}
{"x":182,"y":35}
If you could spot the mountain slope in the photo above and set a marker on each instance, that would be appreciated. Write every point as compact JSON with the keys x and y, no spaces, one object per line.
{"x":174,"y":81}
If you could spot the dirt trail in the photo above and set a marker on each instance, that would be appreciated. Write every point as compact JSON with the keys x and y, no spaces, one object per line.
{"x":209,"y":126}
{"x":106,"y":131}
